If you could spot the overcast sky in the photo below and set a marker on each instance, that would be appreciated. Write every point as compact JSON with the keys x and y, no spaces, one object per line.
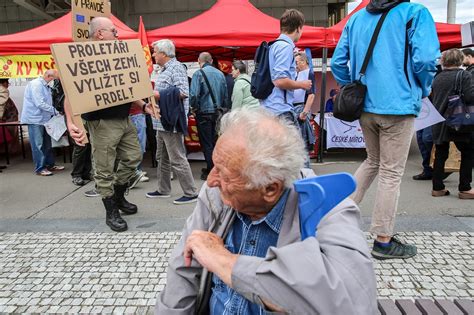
{"x":438,"y":8}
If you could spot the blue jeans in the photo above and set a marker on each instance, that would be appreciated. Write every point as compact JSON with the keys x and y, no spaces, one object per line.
{"x":41,"y":150}
{"x":140,"y":123}
{"x":424,"y":138}
{"x":206,"y":125}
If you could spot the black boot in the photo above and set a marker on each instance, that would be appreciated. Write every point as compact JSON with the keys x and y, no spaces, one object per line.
{"x":122,"y":203}
{"x":113,"y":218}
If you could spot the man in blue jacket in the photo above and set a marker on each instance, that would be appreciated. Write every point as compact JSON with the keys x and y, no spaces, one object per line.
{"x":398,"y":75}
{"x":202,"y":103}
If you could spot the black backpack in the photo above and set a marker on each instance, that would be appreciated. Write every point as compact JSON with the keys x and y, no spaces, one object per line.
{"x":262,"y":86}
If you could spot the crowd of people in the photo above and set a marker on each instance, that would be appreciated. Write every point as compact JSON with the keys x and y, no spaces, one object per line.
{"x":241,"y":249}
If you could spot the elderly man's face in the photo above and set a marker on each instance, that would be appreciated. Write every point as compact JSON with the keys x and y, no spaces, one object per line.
{"x":229,"y":158}
{"x":300,"y":63}
{"x":108,"y":30}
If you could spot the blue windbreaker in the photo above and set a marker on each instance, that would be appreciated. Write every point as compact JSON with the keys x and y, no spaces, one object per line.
{"x":391,"y":90}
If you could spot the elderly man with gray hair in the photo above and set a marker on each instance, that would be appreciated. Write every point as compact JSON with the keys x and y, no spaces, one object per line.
{"x":37,"y":110}
{"x":170,"y":152}
{"x":245,"y":231}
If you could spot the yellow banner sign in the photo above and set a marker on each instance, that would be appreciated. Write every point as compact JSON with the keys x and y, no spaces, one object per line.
{"x":25,"y":66}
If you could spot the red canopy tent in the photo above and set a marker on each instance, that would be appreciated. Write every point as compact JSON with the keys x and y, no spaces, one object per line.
{"x":229,"y":29}
{"x":36,"y":41}
{"x":449,"y":35}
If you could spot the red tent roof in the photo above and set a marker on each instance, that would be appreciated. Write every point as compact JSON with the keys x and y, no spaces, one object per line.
{"x":229,"y":29}
{"x":449,"y":35}
{"x":36,"y":41}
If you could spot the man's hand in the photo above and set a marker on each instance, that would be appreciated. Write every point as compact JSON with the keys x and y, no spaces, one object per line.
{"x":303,"y":116}
{"x":156,"y":94}
{"x":149,"y":110}
{"x":208,"y":249}
{"x":76,"y":133}
{"x":305,"y":84}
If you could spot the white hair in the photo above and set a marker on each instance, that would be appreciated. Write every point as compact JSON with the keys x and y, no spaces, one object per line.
{"x":165,"y":46}
{"x":274,"y":147}
{"x":94,"y":25}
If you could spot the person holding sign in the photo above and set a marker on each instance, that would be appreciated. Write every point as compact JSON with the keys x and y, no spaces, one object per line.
{"x":113,"y":137}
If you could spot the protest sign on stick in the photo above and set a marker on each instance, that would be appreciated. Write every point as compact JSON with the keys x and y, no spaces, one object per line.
{"x":82,"y":13}
{"x":101,"y":74}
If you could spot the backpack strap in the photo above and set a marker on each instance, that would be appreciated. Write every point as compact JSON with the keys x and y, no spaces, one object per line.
{"x":209,"y":88}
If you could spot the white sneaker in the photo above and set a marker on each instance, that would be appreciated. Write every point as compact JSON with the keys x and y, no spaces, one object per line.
{"x":132,"y":182}
{"x":144,"y":179}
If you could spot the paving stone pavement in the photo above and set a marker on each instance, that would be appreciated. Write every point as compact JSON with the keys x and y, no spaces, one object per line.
{"x":122,"y":273}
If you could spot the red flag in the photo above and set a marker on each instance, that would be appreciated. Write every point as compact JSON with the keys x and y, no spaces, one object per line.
{"x":144,"y":42}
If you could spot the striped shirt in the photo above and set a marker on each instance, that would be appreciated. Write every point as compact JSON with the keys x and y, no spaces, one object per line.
{"x":172,"y":74}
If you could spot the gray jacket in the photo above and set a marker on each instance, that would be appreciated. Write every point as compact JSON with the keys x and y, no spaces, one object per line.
{"x":329,"y":274}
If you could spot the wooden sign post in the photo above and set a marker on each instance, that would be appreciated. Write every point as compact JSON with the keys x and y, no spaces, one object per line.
{"x":102,"y":74}
{"x":82,"y":13}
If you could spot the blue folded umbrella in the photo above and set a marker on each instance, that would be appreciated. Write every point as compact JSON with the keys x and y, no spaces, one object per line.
{"x":318,"y":195}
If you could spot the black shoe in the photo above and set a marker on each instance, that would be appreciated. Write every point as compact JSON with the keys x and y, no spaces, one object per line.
{"x":204,"y":170}
{"x":204,"y":176}
{"x":396,"y":249}
{"x":2,"y":167}
{"x":88,"y":177}
{"x":112,"y":217}
{"x":423,"y":176}
{"x":78,"y":181}
{"x":122,"y":203}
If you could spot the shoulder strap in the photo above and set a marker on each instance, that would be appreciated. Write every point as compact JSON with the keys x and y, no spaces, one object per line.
{"x":243,"y":79}
{"x":373,"y":40}
{"x":209,"y":88}
{"x":405,"y":59}
{"x":221,"y":227}
{"x":458,"y":82}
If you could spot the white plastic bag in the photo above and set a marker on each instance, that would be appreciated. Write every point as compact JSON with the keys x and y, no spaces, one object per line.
{"x":62,"y":142}
{"x":56,"y":127}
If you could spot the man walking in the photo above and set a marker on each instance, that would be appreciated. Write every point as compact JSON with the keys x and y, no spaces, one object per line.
{"x":208,"y":93}
{"x":172,"y":89}
{"x":38,"y":110}
{"x":405,"y":56}
{"x":283,"y":67}
{"x":113,"y":138}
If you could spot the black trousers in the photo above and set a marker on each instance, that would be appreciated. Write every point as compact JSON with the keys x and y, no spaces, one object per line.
{"x":206,"y":126}
{"x":81,"y":161}
{"x":465,"y":172}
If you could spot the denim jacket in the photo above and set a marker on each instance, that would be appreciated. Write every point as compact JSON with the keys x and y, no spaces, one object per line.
{"x":199,"y":97}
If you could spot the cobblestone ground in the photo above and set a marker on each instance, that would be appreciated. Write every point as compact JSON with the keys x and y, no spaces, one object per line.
{"x":104,"y":272}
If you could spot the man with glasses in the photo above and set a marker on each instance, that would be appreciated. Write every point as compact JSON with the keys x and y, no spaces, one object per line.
{"x":113,"y":138}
